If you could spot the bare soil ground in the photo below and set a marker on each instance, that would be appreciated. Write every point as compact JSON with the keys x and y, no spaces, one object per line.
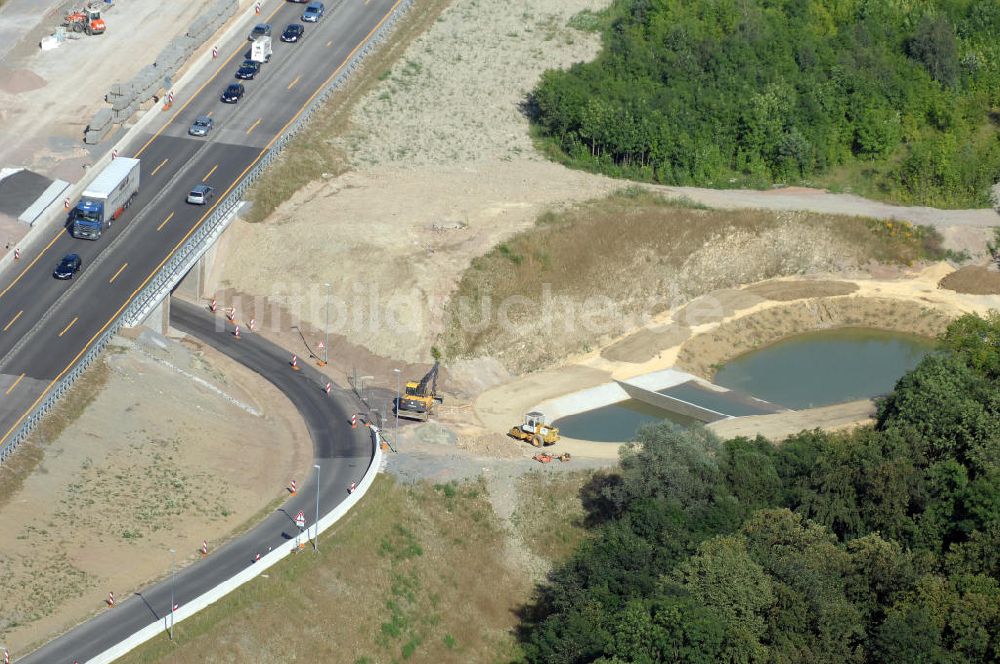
{"x":49,"y":96}
{"x":158,"y":448}
{"x":973,"y":279}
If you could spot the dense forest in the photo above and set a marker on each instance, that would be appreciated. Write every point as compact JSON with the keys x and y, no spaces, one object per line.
{"x":880,"y":545}
{"x":903,"y":94}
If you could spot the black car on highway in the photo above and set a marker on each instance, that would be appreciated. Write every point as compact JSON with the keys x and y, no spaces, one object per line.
{"x":233,"y":93}
{"x":68,"y":266}
{"x":293,"y":33}
{"x":248,"y":70}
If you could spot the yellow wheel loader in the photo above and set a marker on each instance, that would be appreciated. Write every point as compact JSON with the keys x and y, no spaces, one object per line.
{"x":535,"y":430}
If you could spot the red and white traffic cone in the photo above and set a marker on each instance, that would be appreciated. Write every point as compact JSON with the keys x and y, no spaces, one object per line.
{"x":256,"y":9}
{"x":295,"y":362}
{"x":354,"y":485}
{"x":204,"y":548}
{"x":215,"y":52}
{"x":328,"y":388}
{"x":292,"y":489}
{"x":6,"y":656}
{"x":231,"y":314}
{"x":354,"y":421}
{"x":213,"y":307}
{"x":111,"y":600}
{"x":251,"y":324}
{"x":17,"y":254}
{"x":256,"y":558}
{"x":236,"y":332}
{"x":66,"y":203}
{"x":114,"y":154}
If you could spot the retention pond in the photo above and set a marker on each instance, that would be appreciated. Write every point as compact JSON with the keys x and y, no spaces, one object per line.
{"x":822,"y":368}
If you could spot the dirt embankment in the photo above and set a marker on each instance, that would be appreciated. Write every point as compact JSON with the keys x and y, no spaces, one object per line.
{"x":701,"y":355}
{"x":974,"y":280}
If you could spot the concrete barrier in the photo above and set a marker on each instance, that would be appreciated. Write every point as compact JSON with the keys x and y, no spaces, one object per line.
{"x":253,"y":570}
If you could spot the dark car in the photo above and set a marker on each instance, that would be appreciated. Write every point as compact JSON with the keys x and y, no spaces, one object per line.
{"x":68,"y":266}
{"x":248,"y":70}
{"x":314,"y":12}
{"x":233,"y":93}
{"x":260,"y":30}
{"x":293,"y":32}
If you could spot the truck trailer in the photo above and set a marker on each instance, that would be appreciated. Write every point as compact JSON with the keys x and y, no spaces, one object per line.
{"x":106,"y":198}
{"x":260,"y":49}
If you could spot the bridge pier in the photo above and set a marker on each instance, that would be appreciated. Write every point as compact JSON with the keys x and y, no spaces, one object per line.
{"x":192,"y":284}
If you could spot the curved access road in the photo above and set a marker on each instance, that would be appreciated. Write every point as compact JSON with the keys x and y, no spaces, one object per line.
{"x":343,"y":454}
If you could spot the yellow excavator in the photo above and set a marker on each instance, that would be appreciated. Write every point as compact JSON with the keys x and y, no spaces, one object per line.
{"x":417,"y":401}
{"x":535,"y":430}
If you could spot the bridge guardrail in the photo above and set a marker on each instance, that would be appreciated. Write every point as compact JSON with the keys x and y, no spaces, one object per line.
{"x":176,"y":266}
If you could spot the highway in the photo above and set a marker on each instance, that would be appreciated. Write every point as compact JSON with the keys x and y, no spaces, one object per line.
{"x":47,"y":325}
{"x":342,"y":453}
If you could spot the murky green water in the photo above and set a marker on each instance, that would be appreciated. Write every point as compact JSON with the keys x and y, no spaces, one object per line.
{"x":821,"y":368}
{"x":616,"y":423}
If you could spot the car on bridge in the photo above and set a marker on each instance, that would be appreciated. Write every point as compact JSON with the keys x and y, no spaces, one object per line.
{"x":233,"y":93}
{"x":260,"y":30}
{"x":314,"y":12}
{"x":248,"y":70}
{"x":201,"y":194}
{"x":293,"y":33}
{"x":201,"y":126}
{"x":68,"y":266}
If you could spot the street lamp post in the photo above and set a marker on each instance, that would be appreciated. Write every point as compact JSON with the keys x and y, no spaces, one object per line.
{"x":396,"y":434}
{"x":326,"y":347}
{"x":173,"y":577}
{"x":316,"y":538}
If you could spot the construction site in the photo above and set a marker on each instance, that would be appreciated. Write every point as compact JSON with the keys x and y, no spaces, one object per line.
{"x":505,"y":323}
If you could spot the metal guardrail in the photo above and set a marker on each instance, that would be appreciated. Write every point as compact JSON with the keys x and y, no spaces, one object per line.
{"x":197,"y":244}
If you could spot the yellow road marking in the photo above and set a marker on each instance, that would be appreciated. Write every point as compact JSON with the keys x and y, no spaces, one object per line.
{"x":32,"y":263}
{"x":72,"y":323}
{"x":169,"y":217}
{"x":159,"y":167}
{"x":292,"y":84}
{"x":112,"y":279}
{"x":205,"y":179}
{"x":13,"y":320}
{"x":11,"y":388}
{"x":253,"y":126}
{"x":180,"y":243}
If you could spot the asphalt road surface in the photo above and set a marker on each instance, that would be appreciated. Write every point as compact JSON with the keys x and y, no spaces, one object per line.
{"x":342,"y":453}
{"x":45,"y":324}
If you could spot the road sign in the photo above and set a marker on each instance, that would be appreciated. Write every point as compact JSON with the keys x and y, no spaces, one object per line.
{"x":300,"y":519}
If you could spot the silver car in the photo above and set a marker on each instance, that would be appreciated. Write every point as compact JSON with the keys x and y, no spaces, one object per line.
{"x":201,"y":194}
{"x":202,"y":125}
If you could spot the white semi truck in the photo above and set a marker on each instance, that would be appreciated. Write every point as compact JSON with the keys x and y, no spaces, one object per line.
{"x":106,"y":198}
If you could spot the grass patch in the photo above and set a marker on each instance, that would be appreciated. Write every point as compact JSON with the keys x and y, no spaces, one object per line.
{"x":30,"y":453}
{"x":413,"y":573}
{"x":311,"y":154}
{"x":583,"y":275}
{"x":550,"y":514}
